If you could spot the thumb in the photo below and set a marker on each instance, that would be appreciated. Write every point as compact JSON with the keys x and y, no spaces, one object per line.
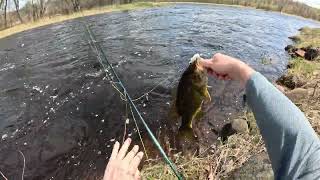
{"x":206,"y":63}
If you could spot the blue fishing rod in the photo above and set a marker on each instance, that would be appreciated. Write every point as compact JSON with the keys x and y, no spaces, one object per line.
{"x":107,"y":65}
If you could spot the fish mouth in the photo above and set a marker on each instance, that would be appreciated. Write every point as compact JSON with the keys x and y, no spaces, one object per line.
{"x":195,"y":59}
{"x":200,"y":67}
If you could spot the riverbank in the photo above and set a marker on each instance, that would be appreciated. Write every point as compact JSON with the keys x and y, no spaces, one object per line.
{"x":301,"y":83}
{"x":285,"y":7}
{"x":133,"y":6}
{"x":244,"y":155}
{"x":59,"y":18}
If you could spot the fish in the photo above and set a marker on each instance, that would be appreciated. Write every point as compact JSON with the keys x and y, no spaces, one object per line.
{"x":191,"y":93}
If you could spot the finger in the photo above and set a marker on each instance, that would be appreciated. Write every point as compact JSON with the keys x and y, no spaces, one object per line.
{"x":224,"y":76}
{"x":214,"y":74}
{"x":206,"y":63}
{"x":131,"y":154}
{"x":137,"y":175}
{"x":115,"y":151}
{"x":220,"y":77}
{"x":135,"y":162}
{"x":211,"y":73}
{"x":227,"y":78}
{"x":217,"y":56}
{"x":124,"y":149}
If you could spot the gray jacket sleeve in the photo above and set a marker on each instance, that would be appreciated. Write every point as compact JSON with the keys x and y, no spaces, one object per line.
{"x":293,"y":146}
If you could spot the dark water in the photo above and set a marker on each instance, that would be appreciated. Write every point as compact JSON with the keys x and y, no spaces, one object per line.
{"x":56,"y":107}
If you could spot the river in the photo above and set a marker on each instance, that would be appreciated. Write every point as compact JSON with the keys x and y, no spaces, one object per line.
{"x":58,"y":109}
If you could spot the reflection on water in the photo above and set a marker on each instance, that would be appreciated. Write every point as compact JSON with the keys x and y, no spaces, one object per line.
{"x":57,"y":108}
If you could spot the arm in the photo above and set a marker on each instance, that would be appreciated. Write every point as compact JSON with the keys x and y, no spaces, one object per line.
{"x":292,"y":144}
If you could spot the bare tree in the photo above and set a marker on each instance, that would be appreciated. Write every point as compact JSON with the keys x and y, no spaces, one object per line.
{"x":16,"y":3}
{"x":76,"y":5}
{"x":42,"y":7}
{"x":1,"y":5}
{"x":5,"y":13}
{"x":282,"y":4}
{"x":34,"y":11}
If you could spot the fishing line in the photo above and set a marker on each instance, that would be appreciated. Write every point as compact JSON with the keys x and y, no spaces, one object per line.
{"x":118,"y":85}
{"x":150,"y":91}
{"x":138,"y":130}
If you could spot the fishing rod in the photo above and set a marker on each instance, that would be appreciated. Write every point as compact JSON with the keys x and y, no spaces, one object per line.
{"x":107,"y":65}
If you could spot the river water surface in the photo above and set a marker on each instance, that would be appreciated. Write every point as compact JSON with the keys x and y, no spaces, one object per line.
{"x":57,"y":108}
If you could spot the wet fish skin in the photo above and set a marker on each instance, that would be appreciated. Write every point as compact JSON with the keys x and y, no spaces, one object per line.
{"x":191,"y":93}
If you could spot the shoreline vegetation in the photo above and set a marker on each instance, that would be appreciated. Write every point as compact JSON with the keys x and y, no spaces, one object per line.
{"x":90,"y":12}
{"x":287,"y":7}
{"x":37,"y":20}
{"x":243,"y":155}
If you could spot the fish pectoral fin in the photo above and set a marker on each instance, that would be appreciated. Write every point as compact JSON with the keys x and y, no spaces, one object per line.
{"x":199,"y":114}
{"x":196,"y":115}
{"x":207,"y":95}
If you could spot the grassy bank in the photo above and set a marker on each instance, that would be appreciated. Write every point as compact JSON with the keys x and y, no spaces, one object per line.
{"x":222,"y":161}
{"x":216,"y":162}
{"x":307,"y":94}
{"x":283,"y":6}
{"x":59,"y":18}
{"x":307,"y":37}
{"x":301,"y":67}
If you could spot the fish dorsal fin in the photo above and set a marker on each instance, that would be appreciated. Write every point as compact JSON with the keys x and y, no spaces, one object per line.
{"x":194,"y":58}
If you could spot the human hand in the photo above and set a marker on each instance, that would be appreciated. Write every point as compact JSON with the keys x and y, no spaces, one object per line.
{"x":227,"y":68}
{"x":122,"y":165}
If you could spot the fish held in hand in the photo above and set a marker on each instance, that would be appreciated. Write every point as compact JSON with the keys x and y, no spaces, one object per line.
{"x":192,"y":92}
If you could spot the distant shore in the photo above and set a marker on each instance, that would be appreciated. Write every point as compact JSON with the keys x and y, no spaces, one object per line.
{"x":235,"y":5}
{"x":113,"y":8}
{"x":60,"y":18}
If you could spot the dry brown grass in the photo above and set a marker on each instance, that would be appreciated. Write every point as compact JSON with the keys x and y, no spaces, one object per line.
{"x":219,"y":161}
{"x":301,"y":67}
{"x":310,"y":72}
{"x":308,"y":37}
